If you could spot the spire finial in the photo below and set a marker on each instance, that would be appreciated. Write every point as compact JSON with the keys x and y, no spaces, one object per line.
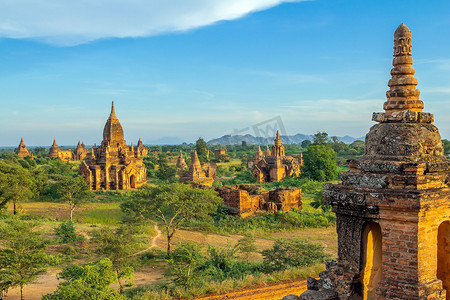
{"x":402,"y":94}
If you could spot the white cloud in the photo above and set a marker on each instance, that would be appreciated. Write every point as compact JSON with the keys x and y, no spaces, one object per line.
{"x":67,"y":22}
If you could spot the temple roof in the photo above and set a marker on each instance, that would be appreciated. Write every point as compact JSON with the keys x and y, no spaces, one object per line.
{"x":113,"y":130}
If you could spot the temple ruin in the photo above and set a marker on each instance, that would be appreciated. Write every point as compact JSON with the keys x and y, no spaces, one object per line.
{"x":181,"y":163}
{"x":114,"y":165}
{"x":80,"y":152}
{"x":393,"y":205}
{"x":22,"y":150}
{"x":275,"y":165}
{"x":198,"y":173}
{"x":56,"y":152}
{"x":245,"y":200}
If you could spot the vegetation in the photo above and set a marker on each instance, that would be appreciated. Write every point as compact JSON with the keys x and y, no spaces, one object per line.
{"x":90,"y":282}
{"x":22,"y":256}
{"x":110,"y":233}
{"x":172,"y":205}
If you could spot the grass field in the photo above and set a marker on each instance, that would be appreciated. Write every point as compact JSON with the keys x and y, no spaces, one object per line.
{"x":92,"y":216}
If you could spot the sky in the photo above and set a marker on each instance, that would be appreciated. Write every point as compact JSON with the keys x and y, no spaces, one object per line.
{"x":205,"y":68}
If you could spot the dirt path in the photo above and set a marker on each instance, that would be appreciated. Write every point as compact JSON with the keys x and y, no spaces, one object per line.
{"x":153,"y":243}
{"x":274,"y":291}
{"x":48,"y":282}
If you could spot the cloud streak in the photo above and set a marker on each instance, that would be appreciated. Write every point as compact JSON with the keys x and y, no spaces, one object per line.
{"x":76,"y":22}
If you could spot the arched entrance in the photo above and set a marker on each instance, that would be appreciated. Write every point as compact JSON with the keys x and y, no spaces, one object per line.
{"x":371,"y":259}
{"x":443,"y":256}
{"x":132,"y":181}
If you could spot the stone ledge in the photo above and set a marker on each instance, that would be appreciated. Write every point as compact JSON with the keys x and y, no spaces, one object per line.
{"x":404,"y":116}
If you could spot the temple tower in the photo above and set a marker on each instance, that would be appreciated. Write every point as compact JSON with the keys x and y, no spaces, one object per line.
{"x":22,"y":150}
{"x":54,"y":150}
{"x":277,"y":148}
{"x":393,"y":205}
{"x":267,"y":152}
{"x":259,"y":154}
{"x":114,"y":165}
{"x":181,"y":163}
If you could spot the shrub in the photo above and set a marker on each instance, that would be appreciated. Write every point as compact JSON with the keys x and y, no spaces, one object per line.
{"x":287,"y":254}
{"x":66,"y":233}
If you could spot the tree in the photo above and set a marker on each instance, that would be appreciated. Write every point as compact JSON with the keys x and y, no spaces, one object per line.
{"x":118,"y":245}
{"x":16,"y":184}
{"x":73,"y":190}
{"x":247,"y":245}
{"x":337,"y":145}
{"x":184,"y":263}
{"x":446,"y":144}
{"x":172,"y":205}
{"x":87,"y":282}
{"x":320,"y":138}
{"x":306,"y":143}
{"x":202,"y":150}
{"x":22,"y":256}
{"x":286,"y":254}
{"x":319,"y":163}
{"x":165,"y":172}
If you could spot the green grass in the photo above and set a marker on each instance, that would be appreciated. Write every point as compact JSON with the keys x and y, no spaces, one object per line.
{"x":105,"y":214}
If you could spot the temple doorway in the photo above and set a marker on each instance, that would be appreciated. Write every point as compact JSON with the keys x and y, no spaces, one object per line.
{"x":371,"y":262}
{"x":132,"y":181}
{"x":443,"y":256}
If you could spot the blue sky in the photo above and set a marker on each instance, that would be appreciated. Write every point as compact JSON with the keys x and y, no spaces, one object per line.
{"x":190,"y":68}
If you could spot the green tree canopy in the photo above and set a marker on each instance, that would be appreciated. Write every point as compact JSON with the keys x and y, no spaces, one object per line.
{"x":118,"y":245}
{"x":165,"y":172}
{"x":172,"y":205}
{"x":202,"y":150}
{"x":16,"y":184}
{"x":73,"y":190}
{"x":87,"y":282}
{"x":320,"y":138}
{"x":22,"y":256}
{"x":319,"y":163}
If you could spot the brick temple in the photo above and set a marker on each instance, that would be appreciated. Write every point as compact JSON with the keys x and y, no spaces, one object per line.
{"x":22,"y":150}
{"x":114,"y":165}
{"x":274,"y":165}
{"x":393,"y":205}
{"x":203,"y":174}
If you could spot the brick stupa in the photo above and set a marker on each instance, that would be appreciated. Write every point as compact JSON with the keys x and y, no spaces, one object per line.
{"x":22,"y":150}
{"x":393,"y":205}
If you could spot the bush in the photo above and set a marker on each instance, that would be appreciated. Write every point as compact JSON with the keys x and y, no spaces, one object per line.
{"x":66,"y":233}
{"x":286,"y":254}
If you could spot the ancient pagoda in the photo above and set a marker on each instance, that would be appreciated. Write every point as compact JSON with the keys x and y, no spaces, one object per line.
{"x":181,"y":163}
{"x":141,"y":149}
{"x":80,"y":152}
{"x":56,"y":152}
{"x":198,"y":173}
{"x":113,"y":165}
{"x":275,"y":165}
{"x":393,"y":205}
{"x":22,"y":150}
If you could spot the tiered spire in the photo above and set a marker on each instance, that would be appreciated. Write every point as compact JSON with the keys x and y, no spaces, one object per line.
{"x":22,"y":150}
{"x":267,"y":153}
{"x":402,"y":94}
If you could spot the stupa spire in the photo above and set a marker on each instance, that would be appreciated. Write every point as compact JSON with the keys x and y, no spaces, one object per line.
{"x":402,"y":94}
{"x":54,"y":143}
{"x":113,"y":111}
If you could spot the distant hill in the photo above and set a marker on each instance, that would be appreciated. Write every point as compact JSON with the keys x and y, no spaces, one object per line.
{"x":285,"y":139}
